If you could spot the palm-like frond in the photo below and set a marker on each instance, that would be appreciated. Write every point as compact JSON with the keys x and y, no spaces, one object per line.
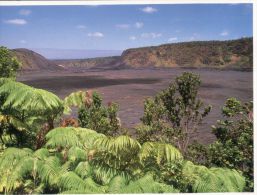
{"x":116,"y":184}
{"x":121,"y":145}
{"x":84,"y":169}
{"x":49,"y":170}
{"x":147,"y":184}
{"x":18,"y":172}
{"x":70,"y":181}
{"x":26,"y":100}
{"x":16,"y":122}
{"x":64,"y":137}
{"x":88,"y":137}
{"x":160,"y":151}
{"x":103,"y":174}
{"x":71,"y":136}
{"x":23,"y":164}
{"x":213,"y":179}
{"x":74,"y":99}
{"x":77,"y":154}
{"x":41,"y":153}
{"x":14,"y":164}
{"x":11,"y":156}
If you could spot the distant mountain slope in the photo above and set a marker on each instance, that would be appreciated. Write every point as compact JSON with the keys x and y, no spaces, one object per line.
{"x":100,"y":62}
{"x":234,"y":54}
{"x":31,"y":60}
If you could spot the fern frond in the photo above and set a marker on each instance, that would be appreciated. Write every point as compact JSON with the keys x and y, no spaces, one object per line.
{"x":116,"y":184}
{"x":25,"y":99}
{"x":62,"y":136}
{"x":160,"y":151}
{"x":49,"y":170}
{"x":121,"y":145}
{"x":70,"y":181}
{"x":77,"y":154}
{"x":83,"y":169}
{"x":213,"y":179}
{"x":41,"y":153}
{"x":88,"y":137}
{"x":146,"y":184}
{"x":74,"y":99}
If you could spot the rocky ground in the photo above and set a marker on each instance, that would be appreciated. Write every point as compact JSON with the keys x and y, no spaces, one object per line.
{"x":130,"y":87}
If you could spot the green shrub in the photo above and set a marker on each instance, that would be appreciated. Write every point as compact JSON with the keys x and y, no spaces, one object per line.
{"x":174,"y":114}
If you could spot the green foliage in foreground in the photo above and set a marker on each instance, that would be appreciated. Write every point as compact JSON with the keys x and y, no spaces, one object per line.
{"x":175,"y":113}
{"x":9,"y":65}
{"x":234,"y":145}
{"x":93,"y":114}
{"x":79,"y":160}
{"x":23,"y":109}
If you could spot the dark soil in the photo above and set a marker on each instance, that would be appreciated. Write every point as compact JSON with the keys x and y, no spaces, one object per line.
{"x":129,"y":88}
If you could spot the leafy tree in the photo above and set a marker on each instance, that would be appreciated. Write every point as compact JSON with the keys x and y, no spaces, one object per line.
{"x":175,"y":113}
{"x":234,"y":145}
{"x":93,"y":114}
{"x":9,"y":65}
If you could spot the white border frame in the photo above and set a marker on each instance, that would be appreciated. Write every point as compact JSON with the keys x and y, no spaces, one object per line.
{"x":141,"y":2}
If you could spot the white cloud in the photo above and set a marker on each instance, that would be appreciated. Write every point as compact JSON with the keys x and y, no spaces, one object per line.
{"x":23,"y":41}
{"x":123,"y":26}
{"x":149,"y":9}
{"x":96,"y":34}
{"x":133,"y":38}
{"x":172,"y":39}
{"x":81,"y":27}
{"x":151,"y":35}
{"x":25,"y":12}
{"x":224,"y":33}
{"x":16,"y":21}
{"x":139,"y":24}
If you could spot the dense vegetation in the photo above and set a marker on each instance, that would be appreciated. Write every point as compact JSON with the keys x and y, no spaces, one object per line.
{"x":8,"y":63}
{"x":44,"y":151}
{"x":233,"y":54}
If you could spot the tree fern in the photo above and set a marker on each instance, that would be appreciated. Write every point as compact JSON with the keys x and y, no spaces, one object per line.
{"x":71,"y":181}
{"x":213,"y":179}
{"x":160,"y":151}
{"x":103,"y":174}
{"x":77,"y":154}
{"x":121,"y":145}
{"x":116,"y":184}
{"x":49,"y":170}
{"x":146,"y":184}
{"x":71,"y":136}
{"x":84,"y":169}
{"x":74,"y":99}
{"x":23,"y":98}
{"x":62,"y":137}
{"x":88,"y":137}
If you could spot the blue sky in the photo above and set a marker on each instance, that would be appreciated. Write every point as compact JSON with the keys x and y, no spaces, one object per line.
{"x":117,"y":27}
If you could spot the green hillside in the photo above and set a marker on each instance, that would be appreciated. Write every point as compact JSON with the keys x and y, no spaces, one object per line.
{"x":233,"y":54}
